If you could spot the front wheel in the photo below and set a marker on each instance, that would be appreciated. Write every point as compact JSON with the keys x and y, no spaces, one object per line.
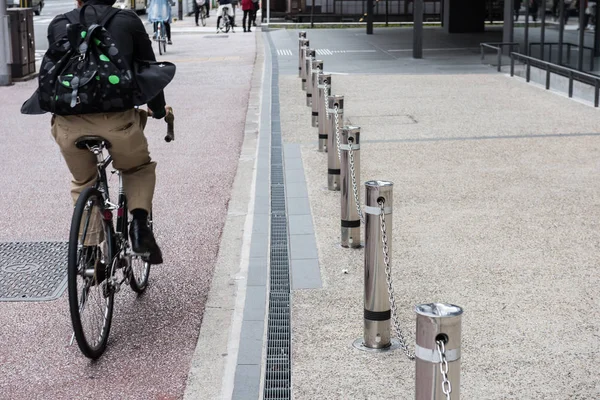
{"x":203,"y":17}
{"x":89,"y":270}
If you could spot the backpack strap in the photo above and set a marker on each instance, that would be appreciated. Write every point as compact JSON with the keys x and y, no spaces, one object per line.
{"x":70,"y":18}
{"x":102,"y":21}
{"x":108,"y":15}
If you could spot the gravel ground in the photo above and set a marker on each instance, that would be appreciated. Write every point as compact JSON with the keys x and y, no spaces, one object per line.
{"x":495,"y":210}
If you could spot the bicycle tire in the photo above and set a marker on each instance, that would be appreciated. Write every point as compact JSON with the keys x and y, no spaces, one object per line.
{"x":139,"y":281}
{"x":227,"y":27}
{"x":77,"y":305}
{"x":159,"y":37}
{"x":203,"y":17}
{"x":164,"y":42}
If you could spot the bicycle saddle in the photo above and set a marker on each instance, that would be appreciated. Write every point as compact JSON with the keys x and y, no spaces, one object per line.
{"x":90,"y":141}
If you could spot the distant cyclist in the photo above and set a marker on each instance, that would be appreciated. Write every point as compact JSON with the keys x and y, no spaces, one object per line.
{"x":225,"y":7}
{"x":160,"y":11}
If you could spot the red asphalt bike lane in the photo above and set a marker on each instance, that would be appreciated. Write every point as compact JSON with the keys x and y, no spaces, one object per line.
{"x":153,"y":337}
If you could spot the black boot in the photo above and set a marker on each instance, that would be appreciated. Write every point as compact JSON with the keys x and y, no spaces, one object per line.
{"x":143,"y":242}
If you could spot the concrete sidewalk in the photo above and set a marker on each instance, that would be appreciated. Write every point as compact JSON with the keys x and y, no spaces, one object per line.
{"x":496,"y":196}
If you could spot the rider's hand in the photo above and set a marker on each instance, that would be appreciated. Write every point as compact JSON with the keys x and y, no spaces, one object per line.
{"x":168,"y":113}
{"x":158,"y":114}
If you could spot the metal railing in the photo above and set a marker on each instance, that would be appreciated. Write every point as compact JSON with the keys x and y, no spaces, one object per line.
{"x":499,"y":47}
{"x":551,"y":68}
{"x":569,"y":46}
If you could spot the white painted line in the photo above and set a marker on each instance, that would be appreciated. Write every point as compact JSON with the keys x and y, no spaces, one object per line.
{"x":448,"y":49}
{"x":284,"y":52}
{"x":324,"y":52}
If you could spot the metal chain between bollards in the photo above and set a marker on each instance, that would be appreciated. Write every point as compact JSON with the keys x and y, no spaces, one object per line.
{"x":337,"y":132}
{"x":446,"y":385}
{"x":388,"y":272}
{"x":354,"y":184}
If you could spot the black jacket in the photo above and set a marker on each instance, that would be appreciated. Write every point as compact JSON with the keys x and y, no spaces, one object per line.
{"x":127,"y":31}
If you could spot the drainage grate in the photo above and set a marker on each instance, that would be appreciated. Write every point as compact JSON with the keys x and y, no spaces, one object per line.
{"x":278,"y":369}
{"x":32,"y":271}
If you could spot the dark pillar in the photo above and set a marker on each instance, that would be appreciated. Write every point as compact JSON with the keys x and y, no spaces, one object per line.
{"x":526,"y":28}
{"x":561,"y":29}
{"x":464,"y":16}
{"x":418,"y":29}
{"x":597,"y":32}
{"x":543,"y":32}
{"x":369,"y":17}
{"x":387,"y":13}
{"x":508,"y":34}
{"x":581,"y":34}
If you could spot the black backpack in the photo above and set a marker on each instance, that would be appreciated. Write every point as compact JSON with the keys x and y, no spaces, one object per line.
{"x":84,"y":73}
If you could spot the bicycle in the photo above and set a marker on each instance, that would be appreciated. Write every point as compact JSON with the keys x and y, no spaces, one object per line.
{"x":226,"y":25}
{"x":225,"y":18}
{"x":96,"y":258}
{"x":202,"y":12}
{"x":161,"y":37}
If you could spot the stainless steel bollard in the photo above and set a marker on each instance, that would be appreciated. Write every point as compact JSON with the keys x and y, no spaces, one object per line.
{"x":350,"y":217}
{"x":304,"y":44}
{"x":437,"y":321}
{"x":301,"y":36}
{"x":317,"y":70}
{"x":309,"y":55}
{"x":333,"y":161}
{"x":324,"y":85}
{"x":314,"y":65}
{"x":377,"y":308}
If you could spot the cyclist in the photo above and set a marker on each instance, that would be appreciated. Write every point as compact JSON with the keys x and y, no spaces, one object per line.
{"x":198,"y":5}
{"x":225,"y":6}
{"x":160,"y":11}
{"x":124,"y":129}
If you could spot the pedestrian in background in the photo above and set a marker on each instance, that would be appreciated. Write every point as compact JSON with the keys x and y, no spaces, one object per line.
{"x":248,"y":9}
{"x":534,"y":8}
{"x":234,"y":5}
{"x":256,"y":4}
{"x":198,"y":4}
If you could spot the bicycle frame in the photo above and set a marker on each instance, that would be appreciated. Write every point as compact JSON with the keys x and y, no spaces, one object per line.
{"x":159,"y":30}
{"x":121,"y":206}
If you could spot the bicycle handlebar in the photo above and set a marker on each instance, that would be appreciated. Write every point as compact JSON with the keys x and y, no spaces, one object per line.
{"x":170,"y":120}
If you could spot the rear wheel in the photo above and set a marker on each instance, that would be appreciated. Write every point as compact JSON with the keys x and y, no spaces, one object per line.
{"x":90,"y":257}
{"x":140,"y":271}
{"x":203,"y":16}
{"x":159,"y":38}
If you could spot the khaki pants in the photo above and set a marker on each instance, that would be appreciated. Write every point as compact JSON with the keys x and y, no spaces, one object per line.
{"x":125,"y":131}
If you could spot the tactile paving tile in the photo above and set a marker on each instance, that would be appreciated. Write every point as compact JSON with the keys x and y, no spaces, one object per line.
{"x":32,"y":271}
